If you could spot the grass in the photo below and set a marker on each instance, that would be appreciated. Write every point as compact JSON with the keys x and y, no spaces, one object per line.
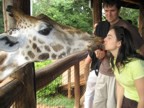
{"x":48,"y":95}
{"x":57,"y":100}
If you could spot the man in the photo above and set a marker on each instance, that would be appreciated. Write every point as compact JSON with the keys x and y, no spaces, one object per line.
{"x":105,"y":85}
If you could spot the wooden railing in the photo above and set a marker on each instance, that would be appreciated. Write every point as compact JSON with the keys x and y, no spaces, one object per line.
{"x":13,"y":90}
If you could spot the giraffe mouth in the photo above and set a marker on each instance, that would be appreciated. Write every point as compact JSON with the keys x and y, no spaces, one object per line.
{"x":95,"y":47}
{"x":96,"y":43}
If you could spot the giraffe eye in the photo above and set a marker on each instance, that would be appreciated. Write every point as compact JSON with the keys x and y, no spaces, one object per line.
{"x":46,"y":31}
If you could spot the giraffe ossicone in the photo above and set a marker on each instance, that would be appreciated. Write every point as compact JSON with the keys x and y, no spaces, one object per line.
{"x":36,"y":39}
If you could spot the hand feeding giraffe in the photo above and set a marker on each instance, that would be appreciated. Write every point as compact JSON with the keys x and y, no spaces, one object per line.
{"x":37,"y":39}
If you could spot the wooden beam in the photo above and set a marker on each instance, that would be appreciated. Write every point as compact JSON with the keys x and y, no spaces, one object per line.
{"x":77,"y":85}
{"x":43,"y":76}
{"x":9,"y":93}
{"x":8,"y":21}
{"x":97,"y":11}
{"x":69,"y":83}
{"x":132,"y":2}
{"x":141,"y":22}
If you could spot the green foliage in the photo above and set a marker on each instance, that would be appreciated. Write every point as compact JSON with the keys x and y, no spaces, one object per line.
{"x":39,"y":65}
{"x":58,"y":100}
{"x":51,"y":88}
{"x":74,"y":13}
{"x":130,"y":14}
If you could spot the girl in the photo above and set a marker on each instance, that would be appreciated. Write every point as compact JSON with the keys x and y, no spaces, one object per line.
{"x":128,"y":68}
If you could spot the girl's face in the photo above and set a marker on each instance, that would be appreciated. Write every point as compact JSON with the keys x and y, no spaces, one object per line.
{"x":111,"y":44}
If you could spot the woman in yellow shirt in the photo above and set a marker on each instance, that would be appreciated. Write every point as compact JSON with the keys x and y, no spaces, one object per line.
{"x":128,"y":68}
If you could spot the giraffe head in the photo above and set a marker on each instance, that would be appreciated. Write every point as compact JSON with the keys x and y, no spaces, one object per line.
{"x":38,"y":38}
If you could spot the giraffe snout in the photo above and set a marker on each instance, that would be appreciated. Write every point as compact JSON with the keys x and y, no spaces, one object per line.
{"x":96,"y":43}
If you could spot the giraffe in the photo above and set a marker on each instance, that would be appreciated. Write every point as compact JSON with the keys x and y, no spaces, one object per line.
{"x":37,"y":39}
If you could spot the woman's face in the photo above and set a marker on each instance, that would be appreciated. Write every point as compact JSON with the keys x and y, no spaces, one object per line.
{"x":110,"y":42}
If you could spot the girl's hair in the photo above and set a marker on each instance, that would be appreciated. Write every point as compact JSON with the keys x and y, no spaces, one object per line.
{"x":127,"y":50}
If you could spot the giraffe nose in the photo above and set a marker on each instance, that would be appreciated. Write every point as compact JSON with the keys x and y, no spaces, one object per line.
{"x":96,"y":43}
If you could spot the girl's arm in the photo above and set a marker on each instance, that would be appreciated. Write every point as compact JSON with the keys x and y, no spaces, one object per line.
{"x":119,"y":94}
{"x":139,"y":83}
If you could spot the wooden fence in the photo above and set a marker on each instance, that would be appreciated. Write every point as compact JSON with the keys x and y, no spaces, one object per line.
{"x":13,"y":92}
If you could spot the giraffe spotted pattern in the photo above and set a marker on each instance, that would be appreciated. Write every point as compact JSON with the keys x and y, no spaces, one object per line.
{"x":39,"y":38}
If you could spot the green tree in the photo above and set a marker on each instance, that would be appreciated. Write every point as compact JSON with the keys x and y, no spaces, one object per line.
{"x":74,"y":13}
{"x":130,"y":14}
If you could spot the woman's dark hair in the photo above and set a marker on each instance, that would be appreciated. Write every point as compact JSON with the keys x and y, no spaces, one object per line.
{"x":127,"y":50}
{"x":107,"y":3}
{"x":102,"y":29}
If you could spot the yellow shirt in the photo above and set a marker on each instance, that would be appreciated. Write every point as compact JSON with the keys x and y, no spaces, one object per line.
{"x":132,"y":71}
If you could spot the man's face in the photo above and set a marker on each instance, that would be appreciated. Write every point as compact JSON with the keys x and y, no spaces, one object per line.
{"x":111,"y":13}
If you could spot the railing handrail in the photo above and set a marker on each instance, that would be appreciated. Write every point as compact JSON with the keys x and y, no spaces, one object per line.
{"x":43,"y":77}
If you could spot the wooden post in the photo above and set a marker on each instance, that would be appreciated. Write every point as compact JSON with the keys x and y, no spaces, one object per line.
{"x":86,"y":71}
{"x":27,"y":99}
{"x":8,"y":21}
{"x":69,"y":83}
{"x":77,"y":85}
{"x":97,"y":11}
{"x":141,"y":22}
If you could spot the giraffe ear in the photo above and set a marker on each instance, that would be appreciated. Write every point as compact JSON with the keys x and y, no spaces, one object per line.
{"x":8,"y":43}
